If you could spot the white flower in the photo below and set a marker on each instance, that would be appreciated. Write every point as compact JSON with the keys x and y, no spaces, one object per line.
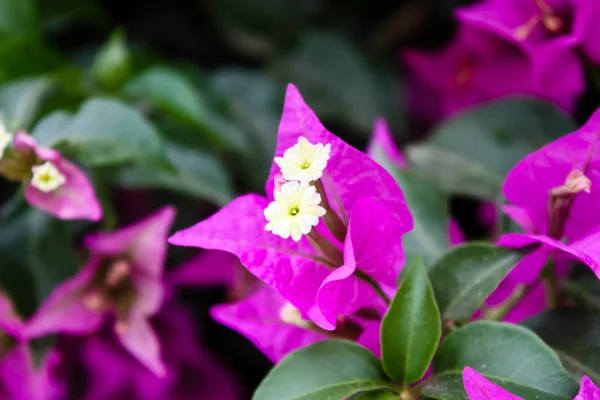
{"x":5,"y":139}
{"x":304,"y":161}
{"x":295,"y":210}
{"x":46,"y":177}
{"x":291,"y":315}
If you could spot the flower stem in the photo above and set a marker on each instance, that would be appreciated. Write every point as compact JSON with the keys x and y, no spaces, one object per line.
{"x":334,"y":223}
{"x":373,"y":283}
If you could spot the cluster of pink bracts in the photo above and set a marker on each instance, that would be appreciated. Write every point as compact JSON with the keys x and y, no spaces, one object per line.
{"x":119,"y":321}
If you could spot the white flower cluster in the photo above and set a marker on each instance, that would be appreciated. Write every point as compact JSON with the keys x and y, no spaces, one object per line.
{"x":296,"y":208}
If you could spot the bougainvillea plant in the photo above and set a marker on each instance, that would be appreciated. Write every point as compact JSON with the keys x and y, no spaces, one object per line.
{"x":278,"y":215}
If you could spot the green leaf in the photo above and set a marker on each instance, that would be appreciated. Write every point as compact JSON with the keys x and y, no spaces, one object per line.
{"x":575,"y":336}
{"x":25,"y":56}
{"x":112,"y":65}
{"x":453,"y":173}
{"x":331,"y":369}
{"x":339,"y":82}
{"x":431,"y":217}
{"x":103,"y":132}
{"x":584,"y":287}
{"x":411,"y":328}
{"x":20,"y":102}
{"x":471,"y":153}
{"x":253,"y":103}
{"x":376,"y":395}
{"x":465,"y":276}
{"x":194,"y":173}
{"x":509,"y":355}
{"x":17,"y":17}
{"x":52,"y":258}
{"x":174,"y":93}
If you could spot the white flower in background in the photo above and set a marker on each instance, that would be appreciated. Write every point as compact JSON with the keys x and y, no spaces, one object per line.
{"x":295,"y":210}
{"x":304,"y":161}
{"x":46,"y":177}
{"x":5,"y":138}
{"x":291,"y":315}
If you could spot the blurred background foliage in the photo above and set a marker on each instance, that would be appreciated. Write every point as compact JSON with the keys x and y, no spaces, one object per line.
{"x":179,"y":101}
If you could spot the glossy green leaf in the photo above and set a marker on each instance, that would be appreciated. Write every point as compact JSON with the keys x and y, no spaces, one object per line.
{"x":509,"y":355}
{"x":339,"y":82}
{"x":471,"y":153}
{"x":20,"y":102}
{"x":194,"y":173}
{"x":103,"y":132}
{"x":331,"y":369}
{"x":575,"y":336}
{"x":411,"y":328}
{"x":465,"y":276}
{"x":112,"y":65}
{"x":376,"y":395}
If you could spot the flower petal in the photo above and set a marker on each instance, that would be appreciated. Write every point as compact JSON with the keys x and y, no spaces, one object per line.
{"x":291,"y":268}
{"x":64,"y":311}
{"x":75,"y":199}
{"x":479,"y":387}
{"x":257,"y":318}
{"x":349,"y":175}
{"x":588,"y":390}
{"x":139,"y":339}
{"x":383,"y":142}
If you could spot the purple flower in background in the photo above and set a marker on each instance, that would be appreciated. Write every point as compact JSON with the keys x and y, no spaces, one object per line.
{"x":54,"y":184}
{"x":552,"y":197}
{"x":18,"y":380}
{"x":382,"y":146}
{"x":111,"y":373}
{"x":123,"y":281}
{"x":479,"y":387}
{"x":322,"y":269}
{"x":588,"y":390}
{"x":481,"y":65}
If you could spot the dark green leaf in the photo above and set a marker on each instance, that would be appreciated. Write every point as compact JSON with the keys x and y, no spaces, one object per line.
{"x":25,"y":56}
{"x":376,"y":395}
{"x":103,"y":132}
{"x":195,"y":173}
{"x":112,"y":65}
{"x":575,"y":336}
{"x":174,"y":93}
{"x":509,"y":355}
{"x":411,"y":328}
{"x":52,"y":258}
{"x":20,"y":102}
{"x":17,"y":17}
{"x":253,"y":103}
{"x":465,"y":276}
{"x":471,"y":153}
{"x":331,"y":369}
{"x":584,"y":287}
{"x":339,"y":82}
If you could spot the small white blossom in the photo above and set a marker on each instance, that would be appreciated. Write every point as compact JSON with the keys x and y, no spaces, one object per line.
{"x":46,"y":177}
{"x":291,"y":315}
{"x":5,"y":139}
{"x":295,"y":210}
{"x":304,"y":161}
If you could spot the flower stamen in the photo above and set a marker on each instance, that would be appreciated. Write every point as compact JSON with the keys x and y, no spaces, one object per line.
{"x":46,"y":177}
{"x":304,"y":161}
{"x":295,"y":211}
